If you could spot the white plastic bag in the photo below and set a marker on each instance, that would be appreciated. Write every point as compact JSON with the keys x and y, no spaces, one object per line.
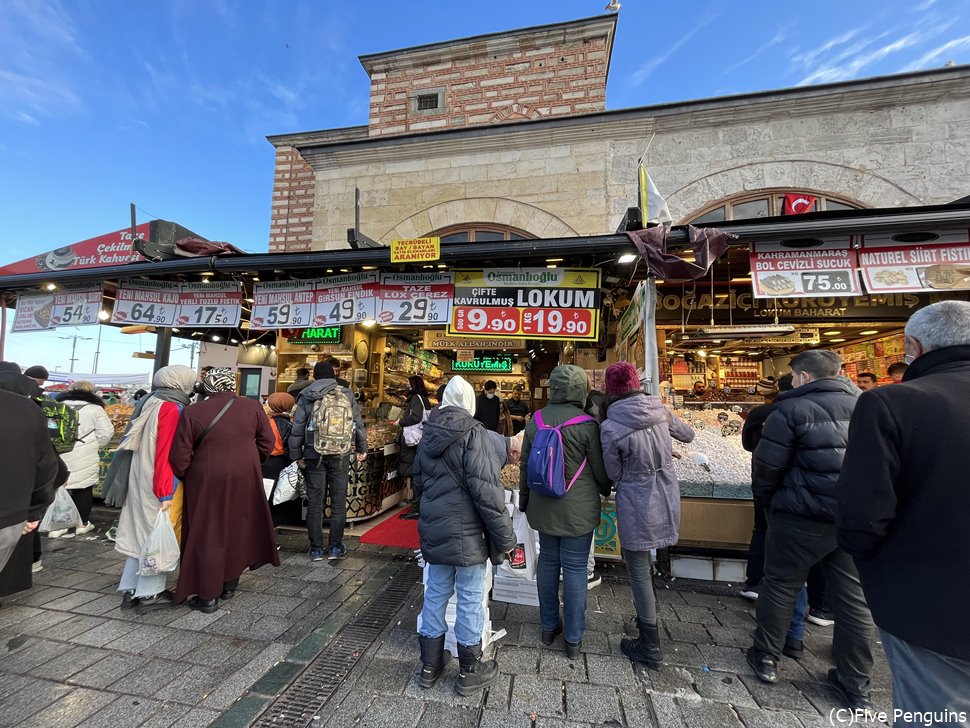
{"x":62,"y":513}
{"x":414,"y":433}
{"x":289,"y":485}
{"x":523,"y":565}
{"x":161,"y":552}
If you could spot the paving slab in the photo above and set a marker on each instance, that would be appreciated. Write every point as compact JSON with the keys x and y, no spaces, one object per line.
{"x":592,"y":703}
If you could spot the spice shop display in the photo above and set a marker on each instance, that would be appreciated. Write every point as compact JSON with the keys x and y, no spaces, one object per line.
{"x":714,"y":465}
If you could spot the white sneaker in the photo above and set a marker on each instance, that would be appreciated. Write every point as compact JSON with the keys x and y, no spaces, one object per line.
{"x":86,"y":528}
{"x":37,"y":566}
{"x":57,"y":534}
{"x":593,"y":580}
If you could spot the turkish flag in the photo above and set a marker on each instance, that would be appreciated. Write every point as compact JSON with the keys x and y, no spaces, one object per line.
{"x":797,"y":204}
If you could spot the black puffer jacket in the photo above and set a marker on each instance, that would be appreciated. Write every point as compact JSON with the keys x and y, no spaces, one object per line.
{"x":796,"y":464}
{"x":457,"y":470}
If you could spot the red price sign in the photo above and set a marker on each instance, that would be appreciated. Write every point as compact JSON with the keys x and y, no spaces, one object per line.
{"x":485,"y":320}
{"x":557,"y":322}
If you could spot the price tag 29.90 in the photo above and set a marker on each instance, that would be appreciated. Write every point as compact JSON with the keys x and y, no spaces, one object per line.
{"x":415,"y":298}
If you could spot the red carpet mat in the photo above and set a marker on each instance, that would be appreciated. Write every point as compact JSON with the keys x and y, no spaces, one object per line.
{"x":394,"y":532}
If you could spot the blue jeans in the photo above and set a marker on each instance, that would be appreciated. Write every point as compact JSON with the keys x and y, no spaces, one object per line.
{"x":442,"y":581}
{"x":569,"y":555}
{"x":796,"y":628}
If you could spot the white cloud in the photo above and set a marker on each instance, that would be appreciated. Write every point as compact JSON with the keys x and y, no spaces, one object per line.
{"x":644,"y":71}
{"x":925,"y":5}
{"x":841,"y":72}
{"x":938,"y":53}
{"x":807,"y":58}
{"x":779,"y":37}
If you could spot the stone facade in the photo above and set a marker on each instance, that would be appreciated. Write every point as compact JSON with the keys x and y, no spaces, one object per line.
{"x":555,"y":70}
{"x":885,"y":142}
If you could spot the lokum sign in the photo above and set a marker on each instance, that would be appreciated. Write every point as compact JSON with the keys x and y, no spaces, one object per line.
{"x":538,"y":303}
{"x":891,"y":264}
{"x":780,"y":271}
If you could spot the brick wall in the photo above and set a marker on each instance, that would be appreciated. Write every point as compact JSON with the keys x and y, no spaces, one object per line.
{"x":555,"y":79}
{"x":291,"y":225}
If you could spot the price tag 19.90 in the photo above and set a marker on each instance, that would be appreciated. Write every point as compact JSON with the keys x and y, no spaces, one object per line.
{"x":282,"y":304}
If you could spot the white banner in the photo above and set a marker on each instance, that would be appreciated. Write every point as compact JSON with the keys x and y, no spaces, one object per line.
{"x":416,"y":298}
{"x":153,"y":303}
{"x":346,"y":299}
{"x":282,"y":305}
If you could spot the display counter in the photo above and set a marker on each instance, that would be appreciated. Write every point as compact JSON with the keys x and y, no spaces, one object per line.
{"x":374,"y":485}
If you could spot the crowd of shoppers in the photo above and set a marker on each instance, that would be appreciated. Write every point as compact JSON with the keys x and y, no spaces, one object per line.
{"x":860,"y":484}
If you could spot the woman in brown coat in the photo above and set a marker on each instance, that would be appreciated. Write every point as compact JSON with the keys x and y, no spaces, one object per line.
{"x":226,"y":523}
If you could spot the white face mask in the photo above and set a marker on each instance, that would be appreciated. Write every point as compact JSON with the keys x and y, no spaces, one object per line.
{"x":490,"y":395}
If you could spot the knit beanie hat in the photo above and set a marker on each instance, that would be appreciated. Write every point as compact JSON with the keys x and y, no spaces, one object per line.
{"x":766,"y":385}
{"x":621,"y":378}
{"x":37,"y":372}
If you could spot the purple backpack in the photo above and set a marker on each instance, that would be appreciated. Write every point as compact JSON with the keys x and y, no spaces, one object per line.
{"x":546,"y":472}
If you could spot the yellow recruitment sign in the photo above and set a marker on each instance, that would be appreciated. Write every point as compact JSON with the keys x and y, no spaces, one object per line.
{"x":415,"y":250}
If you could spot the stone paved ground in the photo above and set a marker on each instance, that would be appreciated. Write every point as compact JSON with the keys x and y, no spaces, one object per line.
{"x":70,"y":657}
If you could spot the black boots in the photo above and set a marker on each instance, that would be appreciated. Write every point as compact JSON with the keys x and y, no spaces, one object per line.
{"x":474,"y":673}
{"x":413,"y":513}
{"x":646,"y":649}
{"x":433,"y":660}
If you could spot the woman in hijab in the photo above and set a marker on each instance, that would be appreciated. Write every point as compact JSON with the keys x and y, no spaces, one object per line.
{"x":463,"y":524}
{"x":636,"y":438}
{"x":151,"y":484}
{"x":219,"y":446}
{"x":280,"y":405}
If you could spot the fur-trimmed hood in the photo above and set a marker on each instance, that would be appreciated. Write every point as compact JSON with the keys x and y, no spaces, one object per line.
{"x":72,"y":395}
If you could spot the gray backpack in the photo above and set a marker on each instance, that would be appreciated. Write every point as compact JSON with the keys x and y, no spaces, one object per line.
{"x":333,"y":421}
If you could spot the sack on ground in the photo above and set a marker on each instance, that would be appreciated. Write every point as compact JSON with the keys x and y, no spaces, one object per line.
{"x":289,"y":486}
{"x":62,"y":423}
{"x":333,"y":420}
{"x":62,"y":513}
{"x":546,"y":471}
{"x":161,"y":552}
{"x":525,"y":556}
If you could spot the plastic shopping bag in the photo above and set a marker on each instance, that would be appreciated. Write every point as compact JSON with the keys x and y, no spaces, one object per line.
{"x":161,"y":552}
{"x":525,"y":555}
{"x":289,"y":485}
{"x":62,"y":513}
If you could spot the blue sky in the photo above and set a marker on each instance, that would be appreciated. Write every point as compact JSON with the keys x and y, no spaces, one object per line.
{"x":167,"y":104}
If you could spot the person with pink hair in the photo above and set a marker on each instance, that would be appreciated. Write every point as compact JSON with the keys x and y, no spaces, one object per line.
{"x":636,"y":437}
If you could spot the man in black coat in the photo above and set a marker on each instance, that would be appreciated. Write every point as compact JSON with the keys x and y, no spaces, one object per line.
{"x":795,"y":470}
{"x":30,"y":469}
{"x":904,"y":511}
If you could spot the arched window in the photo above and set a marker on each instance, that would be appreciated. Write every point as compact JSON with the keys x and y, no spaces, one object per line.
{"x":766,"y":203}
{"x":484,"y":232}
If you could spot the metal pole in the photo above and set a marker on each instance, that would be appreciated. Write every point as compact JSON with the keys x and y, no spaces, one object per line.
{"x":651,"y":353}
{"x":97,"y":351}
{"x":3,"y":324}
{"x":163,"y":347}
{"x":73,"y":349}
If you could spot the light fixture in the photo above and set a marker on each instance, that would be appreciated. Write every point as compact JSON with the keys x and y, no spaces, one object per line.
{"x":51,"y":286}
{"x":255,"y":279}
{"x":368,"y":323}
{"x":702,"y":354}
{"x":216,"y":338}
{"x":103,"y":315}
{"x":626,"y":258}
{"x":869,"y":332}
{"x":741,"y":280}
{"x":345,"y":270}
{"x":427,"y":266}
{"x":552,"y":265}
{"x":831,"y":333}
{"x":174,"y":330}
{"x":368,"y":267}
{"x":554,"y":260}
{"x":329,"y":270}
{"x":233,"y":341}
{"x":442,"y":265}
{"x":249,"y":300}
{"x":836,"y":341}
{"x":739,"y":351}
{"x":207,"y":274}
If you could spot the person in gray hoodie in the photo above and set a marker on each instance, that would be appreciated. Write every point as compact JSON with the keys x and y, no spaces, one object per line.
{"x":638,"y":457}
{"x":326,"y":471}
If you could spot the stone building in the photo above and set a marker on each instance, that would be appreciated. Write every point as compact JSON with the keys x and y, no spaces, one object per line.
{"x":507,"y":135}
